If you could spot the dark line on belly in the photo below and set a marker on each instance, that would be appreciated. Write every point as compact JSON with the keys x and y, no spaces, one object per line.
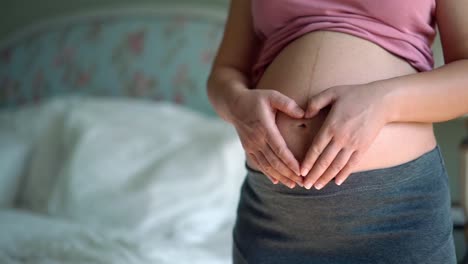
{"x":313,"y":67}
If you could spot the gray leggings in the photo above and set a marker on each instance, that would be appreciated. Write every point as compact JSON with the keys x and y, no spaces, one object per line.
{"x":400,"y":214}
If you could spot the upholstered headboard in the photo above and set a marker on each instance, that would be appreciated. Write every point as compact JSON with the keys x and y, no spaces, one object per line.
{"x":156,"y":53}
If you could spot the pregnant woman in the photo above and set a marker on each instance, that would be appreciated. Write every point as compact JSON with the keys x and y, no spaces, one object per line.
{"x":334,"y":102}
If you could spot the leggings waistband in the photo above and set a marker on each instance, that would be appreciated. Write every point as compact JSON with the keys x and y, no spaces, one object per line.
{"x":427,"y":164}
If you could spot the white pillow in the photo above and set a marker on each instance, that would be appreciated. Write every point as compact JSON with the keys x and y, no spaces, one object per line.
{"x":153,"y":168}
{"x":13,"y":158}
{"x":43,"y":126}
{"x":157,"y":173}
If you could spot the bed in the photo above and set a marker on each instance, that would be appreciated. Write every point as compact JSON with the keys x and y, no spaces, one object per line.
{"x":109,"y":149}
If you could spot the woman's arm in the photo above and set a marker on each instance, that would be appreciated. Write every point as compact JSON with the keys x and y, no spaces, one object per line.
{"x":252,"y":112}
{"x":230,"y":70}
{"x":441,"y":94}
{"x":359,"y":112}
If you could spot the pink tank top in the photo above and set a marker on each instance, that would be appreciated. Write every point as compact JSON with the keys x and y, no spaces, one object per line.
{"x":405,"y":28}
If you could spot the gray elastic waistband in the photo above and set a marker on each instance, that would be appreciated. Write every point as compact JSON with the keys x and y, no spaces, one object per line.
{"x":429,"y":163}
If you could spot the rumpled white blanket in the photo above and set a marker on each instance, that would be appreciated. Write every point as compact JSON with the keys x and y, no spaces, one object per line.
{"x":117,"y":181}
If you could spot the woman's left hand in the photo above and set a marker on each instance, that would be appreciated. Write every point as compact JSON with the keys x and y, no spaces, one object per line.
{"x":357,"y":114}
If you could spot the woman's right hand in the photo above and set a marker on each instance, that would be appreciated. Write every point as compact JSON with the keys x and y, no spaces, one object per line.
{"x":253,"y":116}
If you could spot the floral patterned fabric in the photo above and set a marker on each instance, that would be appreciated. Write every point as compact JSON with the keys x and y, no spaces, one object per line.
{"x":157,"y":58}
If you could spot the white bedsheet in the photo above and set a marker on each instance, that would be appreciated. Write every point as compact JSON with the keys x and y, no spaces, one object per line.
{"x":120,"y":181}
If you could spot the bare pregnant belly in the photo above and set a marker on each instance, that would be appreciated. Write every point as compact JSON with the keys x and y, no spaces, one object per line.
{"x":322,"y":59}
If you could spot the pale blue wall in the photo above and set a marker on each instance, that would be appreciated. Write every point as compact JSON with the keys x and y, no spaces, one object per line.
{"x":17,"y":13}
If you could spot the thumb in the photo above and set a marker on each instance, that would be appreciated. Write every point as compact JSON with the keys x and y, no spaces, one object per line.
{"x":319,"y":101}
{"x":286,"y":105}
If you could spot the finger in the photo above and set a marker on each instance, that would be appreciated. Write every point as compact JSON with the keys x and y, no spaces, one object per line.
{"x":337,"y":165}
{"x":285,"y":104}
{"x":278,"y":145}
{"x":261,"y":167}
{"x":273,"y":180}
{"x":319,"y":101}
{"x":347,"y":170}
{"x":268,"y":170}
{"x":322,"y":164}
{"x":280,"y":167}
{"x":262,"y":162}
{"x":319,"y":143}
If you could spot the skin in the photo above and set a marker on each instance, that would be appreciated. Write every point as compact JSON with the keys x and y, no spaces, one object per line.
{"x":348,"y":123}
{"x":228,"y":89}
{"x":320,"y":60}
{"x":435,"y":96}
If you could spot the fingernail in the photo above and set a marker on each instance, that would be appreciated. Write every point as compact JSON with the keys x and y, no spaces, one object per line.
{"x":318,"y":186}
{"x":304,"y":172}
{"x":308,"y":186}
{"x":300,"y":184}
{"x":339,"y":182}
{"x":292,"y":185}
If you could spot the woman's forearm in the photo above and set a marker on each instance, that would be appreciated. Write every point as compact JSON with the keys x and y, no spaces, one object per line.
{"x":224,"y":85}
{"x":434,"y":96}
